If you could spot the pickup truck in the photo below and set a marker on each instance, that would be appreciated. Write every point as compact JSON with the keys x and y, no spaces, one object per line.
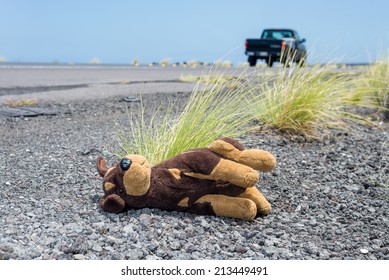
{"x":277,"y":45}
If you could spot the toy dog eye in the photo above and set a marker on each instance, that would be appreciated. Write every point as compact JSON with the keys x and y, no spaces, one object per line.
{"x":125,"y":164}
{"x":120,"y":191}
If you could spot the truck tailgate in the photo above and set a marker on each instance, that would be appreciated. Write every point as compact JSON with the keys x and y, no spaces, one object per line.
{"x":269,"y":45}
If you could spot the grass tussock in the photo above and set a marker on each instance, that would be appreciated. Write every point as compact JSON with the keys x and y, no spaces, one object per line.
{"x":135,"y":62}
{"x":223,"y":64}
{"x":372,"y":87}
{"x":220,"y":80}
{"x":189,"y":78}
{"x":305,"y":100}
{"x":212,"y":110}
{"x":95,"y":61}
{"x":164,"y":62}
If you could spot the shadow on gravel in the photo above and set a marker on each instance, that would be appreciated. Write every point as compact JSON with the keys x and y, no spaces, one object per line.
{"x":27,"y":111}
{"x":22,"y":90}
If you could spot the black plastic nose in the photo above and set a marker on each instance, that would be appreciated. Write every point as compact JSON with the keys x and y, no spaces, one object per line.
{"x":125,"y":164}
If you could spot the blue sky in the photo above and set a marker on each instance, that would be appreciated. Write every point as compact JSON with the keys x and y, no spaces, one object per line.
{"x":119,"y":31}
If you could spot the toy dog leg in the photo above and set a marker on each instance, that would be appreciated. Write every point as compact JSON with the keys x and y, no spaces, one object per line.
{"x":255,"y":158}
{"x":263,"y":206}
{"x":230,"y":171}
{"x":232,"y":207}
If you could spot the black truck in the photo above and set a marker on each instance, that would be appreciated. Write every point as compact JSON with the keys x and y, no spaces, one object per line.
{"x":277,"y":45}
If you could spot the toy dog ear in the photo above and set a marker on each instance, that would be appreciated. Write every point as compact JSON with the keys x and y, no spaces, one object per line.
{"x":101,"y":166}
{"x":112,"y":203}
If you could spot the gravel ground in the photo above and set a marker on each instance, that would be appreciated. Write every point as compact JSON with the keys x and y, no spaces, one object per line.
{"x":330,"y":197}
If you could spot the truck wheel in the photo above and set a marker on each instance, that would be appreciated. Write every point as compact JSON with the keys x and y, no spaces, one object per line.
{"x":252,"y":60}
{"x":286,"y":61}
{"x":269,"y":62}
{"x":301,"y":62}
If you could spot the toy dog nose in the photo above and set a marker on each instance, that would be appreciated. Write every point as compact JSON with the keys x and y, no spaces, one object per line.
{"x":125,"y":164}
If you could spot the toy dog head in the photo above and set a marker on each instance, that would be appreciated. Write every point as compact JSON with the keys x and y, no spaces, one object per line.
{"x":129,"y":177}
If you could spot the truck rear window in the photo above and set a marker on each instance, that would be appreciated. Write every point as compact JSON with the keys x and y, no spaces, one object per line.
{"x":277,"y":34}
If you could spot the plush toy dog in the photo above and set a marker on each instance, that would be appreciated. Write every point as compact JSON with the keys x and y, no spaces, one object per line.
{"x":218,"y":180}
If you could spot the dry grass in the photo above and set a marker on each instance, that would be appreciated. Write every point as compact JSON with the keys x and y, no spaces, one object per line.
{"x":21,"y":103}
{"x":95,"y":60}
{"x":372,"y":87}
{"x":135,"y":62}
{"x":213,"y":110}
{"x":164,"y":62}
{"x":305,"y":101}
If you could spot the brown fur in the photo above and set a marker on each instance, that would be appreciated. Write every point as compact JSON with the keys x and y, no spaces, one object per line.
{"x":218,"y":180}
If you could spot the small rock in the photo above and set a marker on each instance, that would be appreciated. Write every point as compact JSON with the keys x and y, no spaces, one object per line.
{"x":79,"y":257}
{"x":114,"y":240}
{"x":299,"y":225}
{"x":353,"y":188}
{"x":152,"y":257}
{"x":97,"y":248}
{"x":237,"y":235}
{"x":30,"y":214}
{"x":175,"y":245}
{"x":146,"y":211}
{"x":269,"y":251}
{"x":240,"y":249}
{"x":99,"y":224}
{"x":190,"y":248}
{"x":279,"y":234}
{"x":204,"y":223}
{"x":364,"y":251}
{"x":152,"y":247}
{"x":145,"y":218}
{"x":128,"y":229}
{"x":371,"y":209}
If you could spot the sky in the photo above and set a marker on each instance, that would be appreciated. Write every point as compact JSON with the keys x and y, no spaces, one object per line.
{"x":118,"y":31}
